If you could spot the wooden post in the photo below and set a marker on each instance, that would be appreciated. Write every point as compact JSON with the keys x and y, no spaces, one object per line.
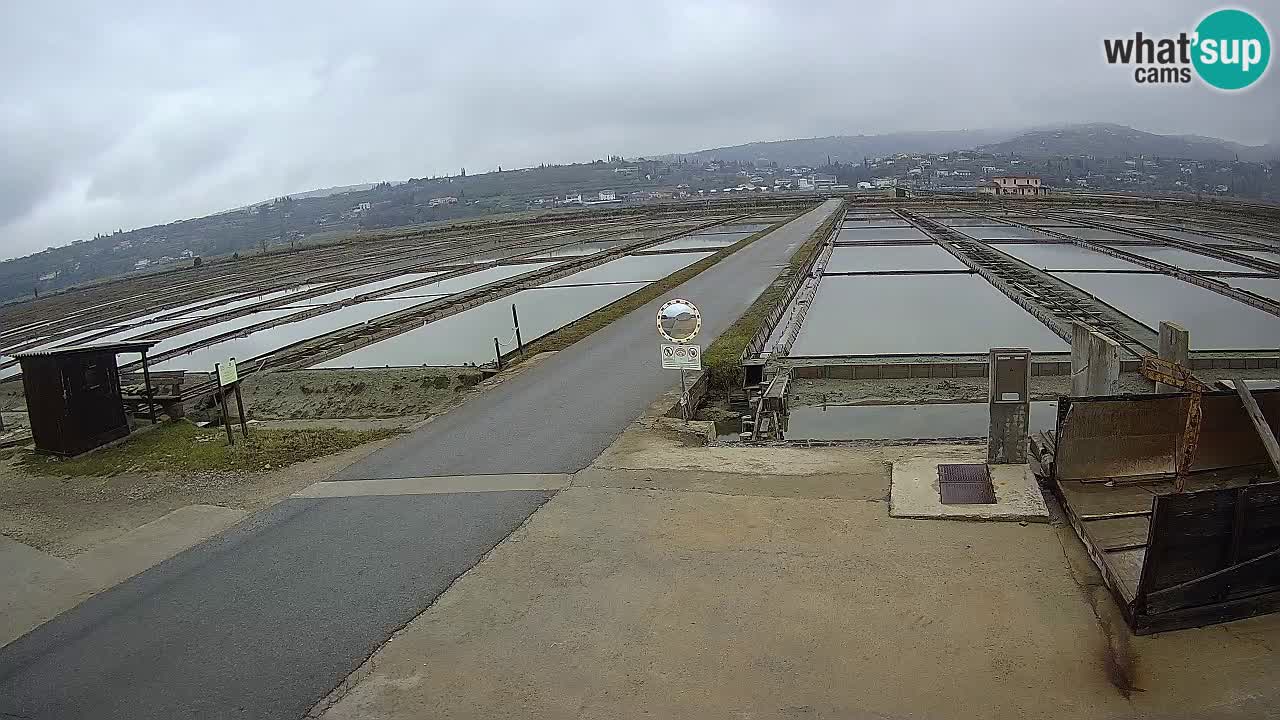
{"x":244,"y":424}
{"x":1265,"y":434}
{"x":146,"y":380}
{"x":516,"y":319}
{"x":226,"y":409}
{"x":226,"y":417}
{"x":497,"y":353}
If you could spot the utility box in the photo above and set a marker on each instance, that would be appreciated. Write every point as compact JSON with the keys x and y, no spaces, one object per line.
{"x":1009,"y":400}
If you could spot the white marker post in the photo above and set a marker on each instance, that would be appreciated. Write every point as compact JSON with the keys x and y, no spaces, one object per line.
{"x":679,"y":321}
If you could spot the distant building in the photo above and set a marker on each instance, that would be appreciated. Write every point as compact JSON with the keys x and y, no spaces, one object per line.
{"x":864,"y":185}
{"x":438,"y":201}
{"x":1020,"y":185}
{"x":141,"y":264}
{"x":823,"y":182}
{"x":573,"y":199}
{"x":626,"y":170}
{"x":362,"y":207}
{"x":608,"y":196}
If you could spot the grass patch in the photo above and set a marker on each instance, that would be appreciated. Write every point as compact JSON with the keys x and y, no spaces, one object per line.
{"x":573,"y":332}
{"x":181,"y":447}
{"x":722,"y":361}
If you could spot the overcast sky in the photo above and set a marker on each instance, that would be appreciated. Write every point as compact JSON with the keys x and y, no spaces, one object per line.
{"x":126,"y":114}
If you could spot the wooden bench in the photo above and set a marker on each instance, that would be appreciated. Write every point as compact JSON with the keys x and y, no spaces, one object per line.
{"x":166,"y":391}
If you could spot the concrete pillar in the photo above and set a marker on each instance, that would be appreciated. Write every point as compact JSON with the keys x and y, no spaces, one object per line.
{"x":1175,"y":346}
{"x":1095,"y":362}
{"x":1080,"y":336}
{"x":1104,"y":364}
{"x":1009,"y":400}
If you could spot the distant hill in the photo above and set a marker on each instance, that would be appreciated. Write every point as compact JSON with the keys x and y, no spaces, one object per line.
{"x":1104,"y":140}
{"x":848,"y":148}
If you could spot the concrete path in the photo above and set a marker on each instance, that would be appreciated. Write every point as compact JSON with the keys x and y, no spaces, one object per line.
{"x":559,"y":416}
{"x":265,"y":619}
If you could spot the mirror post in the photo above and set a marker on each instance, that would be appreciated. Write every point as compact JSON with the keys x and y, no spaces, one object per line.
{"x":684,"y":399}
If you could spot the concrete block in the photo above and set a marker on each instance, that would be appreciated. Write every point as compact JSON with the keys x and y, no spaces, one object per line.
{"x":1175,"y":347}
{"x":913,"y":493}
{"x":1081,"y":336}
{"x":1104,"y":364}
{"x":971,"y":370}
{"x":920,"y":370}
{"x":893,"y":372}
{"x":841,"y":372}
{"x":944,"y":371}
{"x":1252,"y":363}
{"x":866,"y":372}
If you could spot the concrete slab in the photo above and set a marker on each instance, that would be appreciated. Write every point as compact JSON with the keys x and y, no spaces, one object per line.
{"x":913,"y":493}
{"x":39,"y":586}
{"x":36,"y":587}
{"x":434,"y":485}
{"x":120,"y":559}
{"x":613,"y":603}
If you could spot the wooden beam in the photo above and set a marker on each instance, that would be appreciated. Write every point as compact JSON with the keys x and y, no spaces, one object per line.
{"x":1259,"y":422}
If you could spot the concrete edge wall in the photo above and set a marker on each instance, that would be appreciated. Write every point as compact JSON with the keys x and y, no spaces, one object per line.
{"x":897,"y":371}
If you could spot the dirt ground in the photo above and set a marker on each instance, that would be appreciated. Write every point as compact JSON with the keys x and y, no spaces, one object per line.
{"x":658,"y":592}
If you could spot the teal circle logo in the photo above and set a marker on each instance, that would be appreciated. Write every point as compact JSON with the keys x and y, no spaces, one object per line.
{"x":1232,"y":49}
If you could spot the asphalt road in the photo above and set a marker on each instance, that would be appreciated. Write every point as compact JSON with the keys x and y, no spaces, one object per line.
{"x":560,"y":415}
{"x":265,"y":619}
{"x":262,"y":621}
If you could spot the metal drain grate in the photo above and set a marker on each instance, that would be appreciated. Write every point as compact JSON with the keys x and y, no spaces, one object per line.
{"x":968,"y":484}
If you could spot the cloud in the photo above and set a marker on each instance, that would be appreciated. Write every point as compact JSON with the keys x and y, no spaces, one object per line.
{"x":118,"y":116}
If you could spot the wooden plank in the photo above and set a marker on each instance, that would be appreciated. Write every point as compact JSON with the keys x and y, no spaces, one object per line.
{"x":1126,"y":568}
{"x":1119,"y":533}
{"x":1218,"y":575}
{"x":1091,"y":500}
{"x":1265,"y":434}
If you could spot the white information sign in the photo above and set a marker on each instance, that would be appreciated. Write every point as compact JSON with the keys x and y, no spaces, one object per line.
{"x":683,"y":356}
{"x":227,"y":373}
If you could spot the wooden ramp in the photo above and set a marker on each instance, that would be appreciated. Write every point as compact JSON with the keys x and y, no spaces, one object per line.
{"x":1173,"y":559}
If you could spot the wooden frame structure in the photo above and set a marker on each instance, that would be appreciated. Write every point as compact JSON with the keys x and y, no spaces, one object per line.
{"x":1174,"y":558}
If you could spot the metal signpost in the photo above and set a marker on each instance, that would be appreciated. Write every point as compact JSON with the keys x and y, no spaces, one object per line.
{"x":229,"y":382}
{"x":679,"y":322}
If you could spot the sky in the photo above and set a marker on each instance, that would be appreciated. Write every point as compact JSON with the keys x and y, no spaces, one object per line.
{"x":133,"y":113}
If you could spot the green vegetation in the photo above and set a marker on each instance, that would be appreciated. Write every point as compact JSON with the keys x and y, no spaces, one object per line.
{"x":722,"y":361}
{"x":181,"y":447}
{"x":573,"y":332}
